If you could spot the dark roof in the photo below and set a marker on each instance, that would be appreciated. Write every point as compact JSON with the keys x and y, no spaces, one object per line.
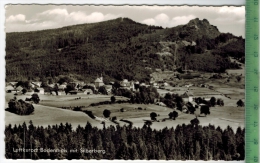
{"x":186,"y":95}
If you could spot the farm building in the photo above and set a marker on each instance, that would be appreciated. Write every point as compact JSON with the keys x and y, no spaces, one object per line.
{"x":184,"y":108}
{"x":51,"y":85}
{"x":62,"y":87}
{"x":39,"y":90}
{"x":108,"y":88}
{"x":19,"y":89}
{"x":36,"y":84}
{"x":155,"y":85}
{"x":187,"y":97}
{"x":9,"y":89}
{"x":165,"y":84}
{"x":12,"y":84}
{"x":125,"y":84}
{"x":160,"y":104}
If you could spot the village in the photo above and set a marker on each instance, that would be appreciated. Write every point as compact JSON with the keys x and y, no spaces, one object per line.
{"x":96,"y":97}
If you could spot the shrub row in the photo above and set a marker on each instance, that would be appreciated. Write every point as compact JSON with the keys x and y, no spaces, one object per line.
{"x":109,"y":102}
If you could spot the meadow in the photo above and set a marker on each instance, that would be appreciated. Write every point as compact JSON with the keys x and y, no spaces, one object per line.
{"x":49,"y":112}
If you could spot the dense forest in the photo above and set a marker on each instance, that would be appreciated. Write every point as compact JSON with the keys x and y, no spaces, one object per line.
{"x":185,"y":142}
{"x":119,"y":48}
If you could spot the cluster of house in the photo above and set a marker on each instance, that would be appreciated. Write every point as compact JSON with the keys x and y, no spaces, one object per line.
{"x":11,"y":87}
{"x":79,"y":87}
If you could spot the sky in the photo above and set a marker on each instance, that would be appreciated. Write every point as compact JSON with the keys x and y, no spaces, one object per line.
{"x":21,"y":18}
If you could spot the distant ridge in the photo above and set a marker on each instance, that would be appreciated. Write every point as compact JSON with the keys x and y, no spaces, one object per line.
{"x":119,"y":48}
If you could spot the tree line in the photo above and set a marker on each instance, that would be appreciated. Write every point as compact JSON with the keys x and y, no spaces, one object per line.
{"x":185,"y":142}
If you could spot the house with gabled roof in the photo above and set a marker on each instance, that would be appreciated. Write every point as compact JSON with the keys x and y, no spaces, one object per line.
{"x":36,"y":84}
{"x":125,"y":84}
{"x":39,"y":90}
{"x":9,"y":88}
{"x":187,"y":96}
{"x":109,"y":88}
{"x":19,"y":89}
{"x":13,"y":84}
{"x":62,"y":86}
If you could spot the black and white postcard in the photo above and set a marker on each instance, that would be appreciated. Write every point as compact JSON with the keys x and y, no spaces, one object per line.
{"x":106,"y":82}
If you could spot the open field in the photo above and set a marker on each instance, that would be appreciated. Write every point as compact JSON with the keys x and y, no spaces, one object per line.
{"x":66,"y":100}
{"x":220,"y":116}
{"x":49,"y":111}
{"x":46,"y":115}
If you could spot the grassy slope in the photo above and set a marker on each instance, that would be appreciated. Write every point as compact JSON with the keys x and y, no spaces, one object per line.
{"x":47,"y":112}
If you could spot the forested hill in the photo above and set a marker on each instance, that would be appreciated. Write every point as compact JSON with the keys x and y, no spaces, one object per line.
{"x":119,"y":48}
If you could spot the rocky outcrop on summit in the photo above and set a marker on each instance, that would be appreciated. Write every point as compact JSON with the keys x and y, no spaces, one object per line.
{"x":196,"y":29}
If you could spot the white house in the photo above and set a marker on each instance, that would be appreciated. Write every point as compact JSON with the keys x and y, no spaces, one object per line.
{"x":187,"y":97}
{"x":40,"y":91}
{"x":108,"y":88}
{"x":9,"y":88}
{"x":19,"y":89}
{"x":36,"y":84}
{"x":62,"y":86}
{"x":99,"y":82}
{"x":125,"y":84}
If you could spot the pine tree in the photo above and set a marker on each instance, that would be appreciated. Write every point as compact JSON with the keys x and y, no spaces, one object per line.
{"x":108,"y":144}
{"x":123,"y":152}
{"x":240,"y":143}
{"x":97,"y":144}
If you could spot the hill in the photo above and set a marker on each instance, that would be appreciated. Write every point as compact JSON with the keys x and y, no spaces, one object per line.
{"x":119,"y":48}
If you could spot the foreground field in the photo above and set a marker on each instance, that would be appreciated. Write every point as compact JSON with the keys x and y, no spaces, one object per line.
{"x":46,"y":115}
{"x":220,"y":116}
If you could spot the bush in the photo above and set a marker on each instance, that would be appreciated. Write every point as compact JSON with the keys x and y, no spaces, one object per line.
{"x":24,"y":91}
{"x":195,"y":122}
{"x":153,"y":116}
{"x":220,"y":102}
{"x":90,"y":114}
{"x":102,"y":90}
{"x":238,"y":78}
{"x":113,"y":99}
{"x":20,"y":107}
{"x":173,"y":115}
{"x":212,"y":101}
{"x":35,"y":98}
{"x":77,"y":108}
{"x":114,"y":118}
{"x":240,"y":103}
{"x":106,"y":113}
